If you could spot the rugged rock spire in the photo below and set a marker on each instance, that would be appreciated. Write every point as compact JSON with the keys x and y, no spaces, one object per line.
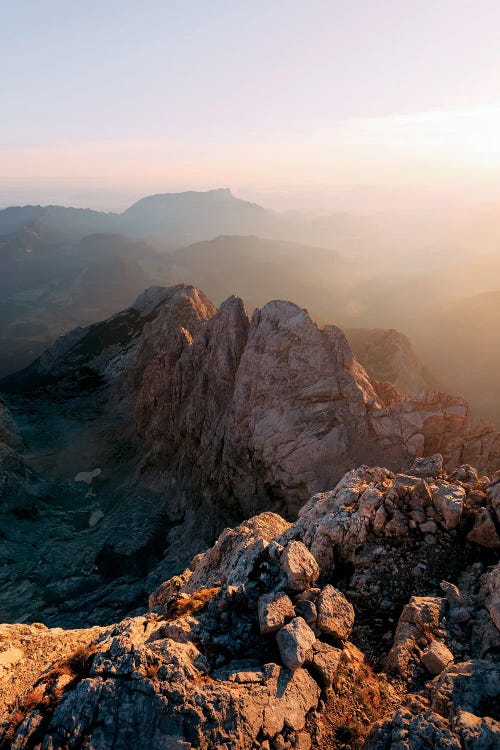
{"x":266,"y":412}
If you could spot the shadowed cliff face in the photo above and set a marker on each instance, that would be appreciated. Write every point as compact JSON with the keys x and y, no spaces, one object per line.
{"x":388,"y":355}
{"x":184,"y":419}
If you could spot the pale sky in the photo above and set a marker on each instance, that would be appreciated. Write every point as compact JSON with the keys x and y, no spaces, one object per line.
{"x":270,"y":98}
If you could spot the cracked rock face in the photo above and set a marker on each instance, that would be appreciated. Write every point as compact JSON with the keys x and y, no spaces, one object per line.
{"x":268,"y":410}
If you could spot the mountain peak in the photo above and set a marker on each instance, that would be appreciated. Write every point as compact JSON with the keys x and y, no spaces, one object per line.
{"x":188,"y":196}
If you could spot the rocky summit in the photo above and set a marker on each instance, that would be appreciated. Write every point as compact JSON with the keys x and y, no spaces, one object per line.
{"x":339,"y":630}
{"x":358,"y":605}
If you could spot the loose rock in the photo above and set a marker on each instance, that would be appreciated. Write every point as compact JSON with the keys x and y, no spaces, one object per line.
{"x":294,"y":641}
{"x":335,"y":613}
{"x":300,"y":566}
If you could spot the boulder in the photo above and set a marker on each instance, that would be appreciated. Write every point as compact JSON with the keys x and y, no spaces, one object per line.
{"x":397,"y":526}
{"x":335,"y":613}
{"x":429,"y":527}
{"x":492,"y":601}
{"x":406,"y":731}
{"x":324,"y":660}
{"x":449,"y":502}
{"x":494,"y":495}
{"x":380,"y":519}
{"x":419,"y":619}
{"x":300,"y":567}
{"x":452,"y":717}
{"x":294,"y":641}
{"x":452,"y":593}
{"x":421,"y":496}
{"x":428,"y":466}
{"x":484,"y":531}
{"x":274,"y":611}
{"x":477,"y":733}
{"x":307,"y":610}
{"x":469,"y":686}
{"x":436,"y":657}
{"x":369,"y":502}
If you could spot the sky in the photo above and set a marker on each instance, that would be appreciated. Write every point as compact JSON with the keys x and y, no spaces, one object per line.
{"x":295,"y":103}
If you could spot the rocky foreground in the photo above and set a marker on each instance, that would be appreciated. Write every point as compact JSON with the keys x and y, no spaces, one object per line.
{"x":371,"y":621}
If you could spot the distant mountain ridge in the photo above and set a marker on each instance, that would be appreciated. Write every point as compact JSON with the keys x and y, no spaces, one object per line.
{"x":341,"y":267}
{"x":152,"y":216}
{"x":184,"y":218}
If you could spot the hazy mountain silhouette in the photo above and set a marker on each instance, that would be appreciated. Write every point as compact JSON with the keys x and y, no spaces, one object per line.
{"x":179,"y":219}
{"x":58,"y":271}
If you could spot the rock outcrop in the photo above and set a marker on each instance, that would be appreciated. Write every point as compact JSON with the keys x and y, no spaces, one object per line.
{"x":257,"y":413}
{"x":265,"y":412}
{"x":197,"y":418}
{"x":451,"y":714}
{"x":249,"y":646}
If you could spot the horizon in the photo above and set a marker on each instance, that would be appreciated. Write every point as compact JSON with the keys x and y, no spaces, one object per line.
{"x":362,"y":200}
{"x":325,"y":107}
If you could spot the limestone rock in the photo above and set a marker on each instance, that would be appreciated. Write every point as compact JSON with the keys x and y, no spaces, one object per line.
{"x":428,"y":466}
{"x":274,"y":611}
{"x":429,"y":527}
{"x":421,"y":496}
{"x":307,"y":610}
{"x":406,"y":731}
{"x":273,"y":409}
{"x":196,"y":671}
{"x":477,"y":732}
{"x":397,"y":526}
{"x":436,"y":657}
{"x":222,"y":416}
{"x":452,"y":717}
{"x":494,"y":495}
{"x":467,"y":686}
{"x":420,"y":618}
{"x":294,"y":641}
{"x":492,"y":600}
{"x":380,"y":519}
{"x":484,"y":530}
{"x":324,"y":661}
{"x":335,"y":613}
{"x":369,"y":502}
{"x":449,"y":501}
{"x":300,"y":566}
{"x":452,"y":593}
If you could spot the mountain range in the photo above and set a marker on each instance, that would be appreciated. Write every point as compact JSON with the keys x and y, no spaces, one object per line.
{"x":179,"y":219}
{"x":65,"y":267}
